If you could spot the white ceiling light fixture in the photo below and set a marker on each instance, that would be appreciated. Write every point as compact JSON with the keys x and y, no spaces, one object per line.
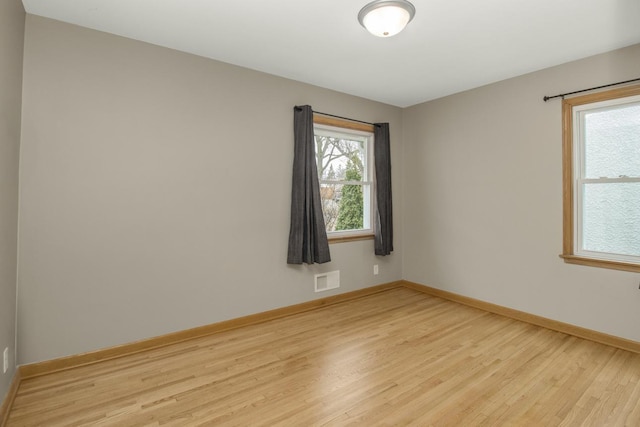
{"x":386,"y":18}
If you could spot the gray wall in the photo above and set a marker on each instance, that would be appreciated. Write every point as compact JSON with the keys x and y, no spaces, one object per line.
{"x":12,"y":18}
{"x":483,"y":199}
{"x":155,"y":192}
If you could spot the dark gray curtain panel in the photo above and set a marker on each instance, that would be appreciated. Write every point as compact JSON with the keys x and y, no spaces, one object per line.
{"x":384,"y":210}
{"x":307,"y":235}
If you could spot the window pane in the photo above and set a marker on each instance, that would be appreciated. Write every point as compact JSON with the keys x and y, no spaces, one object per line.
{"x":350,"y":208}
{"x":611,"y":218}
{"x":612,"y":142}
{"x":335,"y":156}
{"x":330,"y":195}
{"x":343,"y":207}
{"x":342,"y":158}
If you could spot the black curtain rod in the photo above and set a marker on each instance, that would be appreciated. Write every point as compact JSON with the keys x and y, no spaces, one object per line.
{"x":340,"y":117}
{"x":344,"y":118}
{"x":562,"y":95}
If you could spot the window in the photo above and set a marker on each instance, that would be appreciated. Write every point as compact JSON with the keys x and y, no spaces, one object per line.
{"x":344,"y":159}
{"x":601,"y":161}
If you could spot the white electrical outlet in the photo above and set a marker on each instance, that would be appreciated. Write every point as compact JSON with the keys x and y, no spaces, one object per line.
{"x":5,"y":360}
{"x":375,"y":270}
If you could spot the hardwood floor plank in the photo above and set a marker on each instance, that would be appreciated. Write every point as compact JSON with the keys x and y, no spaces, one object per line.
{"x":397,"y":357}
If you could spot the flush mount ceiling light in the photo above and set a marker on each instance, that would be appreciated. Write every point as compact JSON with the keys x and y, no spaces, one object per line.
{"x":386,"y":18}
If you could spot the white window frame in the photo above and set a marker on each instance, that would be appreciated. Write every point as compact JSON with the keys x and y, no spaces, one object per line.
{"x":579,"y":163}
{"x":574,"y":110}
{"x":367,"y":183}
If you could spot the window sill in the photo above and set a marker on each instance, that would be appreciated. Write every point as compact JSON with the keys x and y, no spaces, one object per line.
{"x":591,"y":262}
{"x":344,"y":239}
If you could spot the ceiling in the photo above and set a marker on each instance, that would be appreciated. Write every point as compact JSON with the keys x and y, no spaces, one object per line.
{"x":450,"y":46}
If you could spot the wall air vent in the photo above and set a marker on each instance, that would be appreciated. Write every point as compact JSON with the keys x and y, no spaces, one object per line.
{"x":326,"y":281}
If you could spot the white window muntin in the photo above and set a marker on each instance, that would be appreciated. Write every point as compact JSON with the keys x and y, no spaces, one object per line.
{"x":579,"y":178}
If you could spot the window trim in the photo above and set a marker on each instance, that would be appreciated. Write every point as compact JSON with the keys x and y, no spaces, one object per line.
{"x":350,"y":236}
{"x":568,"y":172}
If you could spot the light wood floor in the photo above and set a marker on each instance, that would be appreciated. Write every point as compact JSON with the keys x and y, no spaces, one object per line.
{"x":398,"y":357}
